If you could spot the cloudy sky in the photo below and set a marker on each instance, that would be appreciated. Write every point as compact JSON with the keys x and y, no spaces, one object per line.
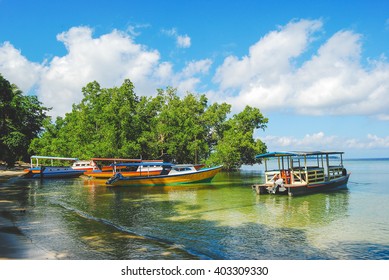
{"x":317,"y":69}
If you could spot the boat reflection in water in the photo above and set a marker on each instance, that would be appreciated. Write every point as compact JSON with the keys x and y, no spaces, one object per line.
{"x":317,"y":209}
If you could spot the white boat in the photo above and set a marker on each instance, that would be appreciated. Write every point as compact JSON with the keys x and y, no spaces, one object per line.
{"x":40,"y":171}
{"x":296,"y":173}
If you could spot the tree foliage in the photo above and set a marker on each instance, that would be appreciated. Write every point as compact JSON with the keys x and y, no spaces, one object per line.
{"x":237,"y":146}
{"x":115,"y":122}
{"x":21,"y":120}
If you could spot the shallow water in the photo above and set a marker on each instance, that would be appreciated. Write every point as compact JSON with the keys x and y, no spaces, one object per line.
{"x":84,"y":219}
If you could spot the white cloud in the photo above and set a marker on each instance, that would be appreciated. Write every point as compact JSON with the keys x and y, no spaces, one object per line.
{"x":133,"y":30}
{"x":377,"y":142}
{"x":164,"y":72}
{"x":194,"y":67}
{"x":17,"y":69}
{"x":108,"y":59}
{"x":314,"y":141}
{"x":320,"y":141}
{"x":331,"y":82}
{"x":182,"y":41}
{"x":268,"y":59}
{"x":188,"y":78}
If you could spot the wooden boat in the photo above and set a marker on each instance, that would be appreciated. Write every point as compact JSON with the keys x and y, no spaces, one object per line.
{"x":298,"y":173}
{"x":171,"y":175}
{"x":133,"y":169}
{"x":42,"y":171}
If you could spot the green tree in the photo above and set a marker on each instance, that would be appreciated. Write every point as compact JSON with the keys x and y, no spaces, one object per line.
{"x":49,"y":141}
{"x":104,"y":124}
{"x":187,"y":128}
{"x":214,"y":119}
{"x":237,"y":146}
{"x":146,"y":118}
{"x":21,"y":120}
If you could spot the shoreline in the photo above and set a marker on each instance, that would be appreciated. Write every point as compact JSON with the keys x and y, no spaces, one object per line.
{"x":9,"y":173}
{"x":5,"y":175}
{"x":14,"y":244}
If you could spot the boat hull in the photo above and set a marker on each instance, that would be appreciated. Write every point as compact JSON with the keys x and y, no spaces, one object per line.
{"x":52,"y":172}
{"x":200,"y":176}
{"x":339,"y":183}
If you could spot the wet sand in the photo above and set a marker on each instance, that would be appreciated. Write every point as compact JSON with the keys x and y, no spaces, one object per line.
{"x":13,"y":243}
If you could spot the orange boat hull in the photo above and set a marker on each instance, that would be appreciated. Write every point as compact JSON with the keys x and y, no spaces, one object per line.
{"x":203,"y":175}
{"x":109,"y":174}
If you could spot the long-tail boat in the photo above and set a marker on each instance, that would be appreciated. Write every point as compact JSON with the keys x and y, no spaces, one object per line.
{"x":171,"y":174}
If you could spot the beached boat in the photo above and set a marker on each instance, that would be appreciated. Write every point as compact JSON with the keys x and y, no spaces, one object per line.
{"x":134,"y":167}
{"x":43,"y":171}
{"x":296,"y":173}
{"x":171,"y":175}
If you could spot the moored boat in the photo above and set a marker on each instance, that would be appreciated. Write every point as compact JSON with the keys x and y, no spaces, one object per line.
{"x":39,"y":171}
{"x":171,"y":175}
{"x":127,"y":167}
{"x":298,"y":173}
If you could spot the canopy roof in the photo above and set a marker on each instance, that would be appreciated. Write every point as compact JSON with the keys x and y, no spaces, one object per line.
{"x":296,"y":153}
{"x":58,"y":158}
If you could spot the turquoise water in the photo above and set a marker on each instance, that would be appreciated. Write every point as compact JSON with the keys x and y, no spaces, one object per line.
{"x":83,"y":219}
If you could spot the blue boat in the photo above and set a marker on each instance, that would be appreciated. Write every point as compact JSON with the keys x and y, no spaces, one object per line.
{"x":38,"y":171}
{"x":296,"y":173}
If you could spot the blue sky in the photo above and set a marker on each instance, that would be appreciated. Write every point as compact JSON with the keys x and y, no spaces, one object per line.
{"x":318,"y":70}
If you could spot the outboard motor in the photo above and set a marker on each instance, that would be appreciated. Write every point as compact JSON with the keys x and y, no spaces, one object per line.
{"x":115,"y":178}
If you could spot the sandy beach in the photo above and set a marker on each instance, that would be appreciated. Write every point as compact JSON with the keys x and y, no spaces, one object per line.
{"x":13,"y":243}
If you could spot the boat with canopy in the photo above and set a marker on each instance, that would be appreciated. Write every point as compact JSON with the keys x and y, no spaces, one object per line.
{"x":127,"y":167}
{"x":40,"y":171}
{"x":302,"y":172}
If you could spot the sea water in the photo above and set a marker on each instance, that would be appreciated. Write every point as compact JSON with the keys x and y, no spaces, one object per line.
{"x":84,"y":219}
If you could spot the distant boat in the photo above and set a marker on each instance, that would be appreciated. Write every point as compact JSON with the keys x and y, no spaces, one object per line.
{"x":133,"y":167}
{"x":171,"y":175}
{"x":296,"y":173}
{"x":43,"y":171}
